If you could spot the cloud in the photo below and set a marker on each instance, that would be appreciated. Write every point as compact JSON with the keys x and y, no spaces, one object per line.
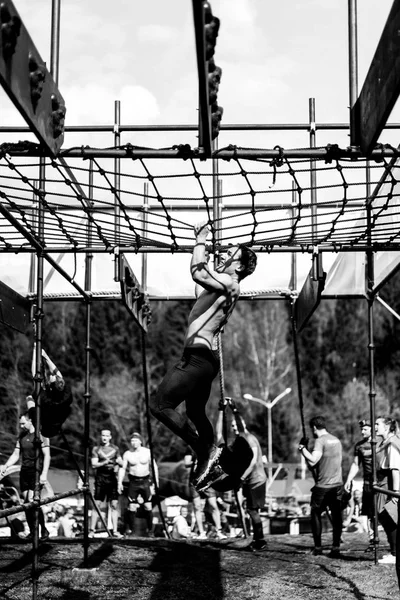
{"x":94,"y":104}
{"x":157,"y":34}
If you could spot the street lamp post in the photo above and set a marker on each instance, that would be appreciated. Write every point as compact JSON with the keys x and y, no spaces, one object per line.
{"x":268,"y":406}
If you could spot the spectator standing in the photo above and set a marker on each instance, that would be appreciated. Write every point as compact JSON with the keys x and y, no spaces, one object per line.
{"x":326,"y":460}
{"x":388,"y":476}
{"x":106,"y":460}
{"x":363,"y":458}
{"x":253,"y":483}
{"x":137,"y":460}
{"x":25,"y":448}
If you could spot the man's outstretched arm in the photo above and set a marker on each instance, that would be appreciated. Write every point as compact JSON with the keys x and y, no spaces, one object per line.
{"x":199,"y":267}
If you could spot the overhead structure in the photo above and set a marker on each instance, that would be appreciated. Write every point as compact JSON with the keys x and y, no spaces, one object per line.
{"x":381,"y":88}
{"x":28,"y":83}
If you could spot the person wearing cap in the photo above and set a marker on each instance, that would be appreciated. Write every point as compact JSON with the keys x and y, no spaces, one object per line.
{"x":137,"y":461}
{"x":363,"y":458}
{"x":106,"y":460}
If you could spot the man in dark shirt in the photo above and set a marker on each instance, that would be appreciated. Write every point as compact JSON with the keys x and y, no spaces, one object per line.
{"x":326,"y":461}
{"x":363,"y":458}
{"x":25,"y":448}
{"x":106,"y":460}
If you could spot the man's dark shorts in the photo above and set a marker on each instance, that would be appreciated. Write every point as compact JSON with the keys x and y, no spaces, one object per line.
{"x":367,"y":502}
{"x":139,"y":486}
{"x":255,"y":496}
{"x":105,"y":487}
{"x":27,"y":479}
{"x":321,"y":498}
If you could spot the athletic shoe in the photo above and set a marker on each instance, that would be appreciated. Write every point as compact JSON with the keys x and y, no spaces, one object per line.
{"x":204,"y":468}
{"x":45,"y":535}
{"x":91,"y":533}
{"x":387,"y":559}
{"x":202,"y":536}
{"x":117,"y":534}
{"x":221,"y":536}
{"x":215,"y":474}
{"x":26,"y":537}
{"x":335,"y":552}
{"x":257,"y":546}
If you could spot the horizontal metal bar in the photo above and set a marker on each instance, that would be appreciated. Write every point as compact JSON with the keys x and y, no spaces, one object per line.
{"x":22,"y":507}
{"x":382,"y":490}
{"x":195,"y":205}
{"x":226,"y":127}
{"x":268,"y":248}
{"x":223,"y":154}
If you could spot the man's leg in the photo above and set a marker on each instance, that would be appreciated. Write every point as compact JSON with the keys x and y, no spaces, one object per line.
{"x":198,"y":514}
{"x":215,"y":514}
{"x":335,"y":496}
{"x":190,"y":381}
{"x":113,"y":508}
{"x":255,"y":499}
{"x":177,"y":384}
{"x":317,"y":498}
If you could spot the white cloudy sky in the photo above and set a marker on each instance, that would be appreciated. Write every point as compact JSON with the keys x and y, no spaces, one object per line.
{"x":274,"y":57}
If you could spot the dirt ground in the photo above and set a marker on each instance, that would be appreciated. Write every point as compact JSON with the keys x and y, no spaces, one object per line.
{"x":159,"y":569}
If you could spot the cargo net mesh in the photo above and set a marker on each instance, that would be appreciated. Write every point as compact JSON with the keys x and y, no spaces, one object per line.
{"x":151,"y":204}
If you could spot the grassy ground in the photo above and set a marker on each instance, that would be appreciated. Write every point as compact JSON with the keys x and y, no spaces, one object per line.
{"x":158,"y":569}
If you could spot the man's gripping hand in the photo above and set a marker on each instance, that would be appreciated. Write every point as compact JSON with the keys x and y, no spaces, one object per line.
{"x":201,"y":231}
{"x":304,"y":442}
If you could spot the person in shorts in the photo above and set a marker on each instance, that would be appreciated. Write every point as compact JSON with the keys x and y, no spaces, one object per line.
{"x":363,"y":458}
{"x":137,"y":462}
{"x":106,"y":460}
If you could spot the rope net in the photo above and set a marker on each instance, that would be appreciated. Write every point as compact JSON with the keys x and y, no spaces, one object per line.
{"x":151,"y":204}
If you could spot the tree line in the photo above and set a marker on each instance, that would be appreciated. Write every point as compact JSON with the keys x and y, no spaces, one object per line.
{"x":258,"y":359}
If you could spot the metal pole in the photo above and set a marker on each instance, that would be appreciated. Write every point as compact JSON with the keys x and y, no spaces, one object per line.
{"x":55,"y":39}
{"x":353,"y":67}
{"x":87,"y":394}
{"x":370,"y":280}
{"x":313,"y":171}
{"x":117,"y":183}
{"x":269,"y":409}
{"x":37,"y":383}
{"x":145,"y":226}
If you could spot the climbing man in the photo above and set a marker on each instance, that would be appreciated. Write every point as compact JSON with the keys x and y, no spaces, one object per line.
{"x":190,"y":379}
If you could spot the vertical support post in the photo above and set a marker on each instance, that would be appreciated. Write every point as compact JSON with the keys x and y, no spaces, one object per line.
{"x":269,"y":430}
{"x":370,"y":281}
{"x":293,"y":278}
{"x":55,"y":39}
{"x":313,"y":171}
{"x":353,"y":68}
{"x":38,"y":380}
{"x":87,"y":394}
{"x":117,"y":184}
{"x":32,"y":266}
{"x":145,"y":227}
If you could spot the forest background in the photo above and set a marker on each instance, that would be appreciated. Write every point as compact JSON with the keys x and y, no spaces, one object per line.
{"x":258,"y":359}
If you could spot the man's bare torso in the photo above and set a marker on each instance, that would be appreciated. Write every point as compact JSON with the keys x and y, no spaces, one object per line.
{"x":208,"y":315}
{"x":138,"y":462}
